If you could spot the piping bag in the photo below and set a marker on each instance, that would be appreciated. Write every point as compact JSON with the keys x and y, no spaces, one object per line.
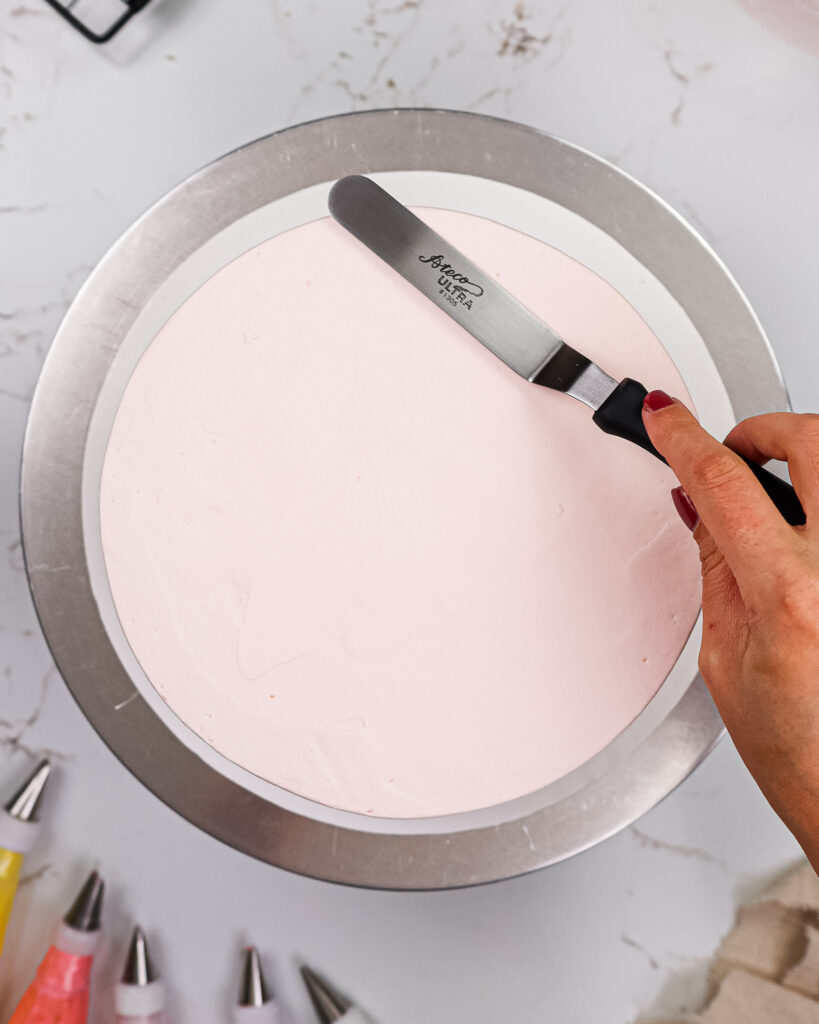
{"x":256,"y":1005}
{"x":61,"y":988}
{"x":140,"y":995}
{"x":18,"y":833}
{"x":331,"y":1007}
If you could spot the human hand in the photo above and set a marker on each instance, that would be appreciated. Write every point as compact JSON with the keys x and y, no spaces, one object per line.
{"x":760,"y":595}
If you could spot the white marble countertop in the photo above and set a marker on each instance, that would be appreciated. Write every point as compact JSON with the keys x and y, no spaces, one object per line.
{"x":696,"y":100}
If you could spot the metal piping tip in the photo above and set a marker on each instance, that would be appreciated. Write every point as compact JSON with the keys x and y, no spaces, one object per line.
{"x":329,"y":1005}
{"x":24,"y":803}
{"x":85,"y":911}
{"x":252,"y":990}
{"x":138,"y":967}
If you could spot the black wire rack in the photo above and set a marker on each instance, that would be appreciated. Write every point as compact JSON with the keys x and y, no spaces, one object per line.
{"x":122,"y":12}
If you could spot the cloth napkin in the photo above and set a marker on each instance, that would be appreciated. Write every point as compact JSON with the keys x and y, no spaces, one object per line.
{"x":766,"y":970}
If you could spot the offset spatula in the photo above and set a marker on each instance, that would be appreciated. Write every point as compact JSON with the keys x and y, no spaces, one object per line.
{"x":508,"y":329}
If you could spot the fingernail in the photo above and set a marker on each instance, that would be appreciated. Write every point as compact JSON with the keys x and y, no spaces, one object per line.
{"x":685,"y":507}
{"x":656,"y":400}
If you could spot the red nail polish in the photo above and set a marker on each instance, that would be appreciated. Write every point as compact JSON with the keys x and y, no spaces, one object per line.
{"x":685,"y":507}
{"x":656,"y":400}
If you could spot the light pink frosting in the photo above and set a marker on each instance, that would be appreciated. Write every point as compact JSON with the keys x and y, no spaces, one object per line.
{"x":366,"y":561}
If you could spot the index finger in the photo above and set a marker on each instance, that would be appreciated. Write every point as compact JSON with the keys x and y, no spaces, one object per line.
{"x":738,"y":514}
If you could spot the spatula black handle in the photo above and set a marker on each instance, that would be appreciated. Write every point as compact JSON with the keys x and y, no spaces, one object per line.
{"x":622,"y":415}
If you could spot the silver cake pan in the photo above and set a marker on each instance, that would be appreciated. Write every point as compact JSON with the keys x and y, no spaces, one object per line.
{"x":66,"y":433}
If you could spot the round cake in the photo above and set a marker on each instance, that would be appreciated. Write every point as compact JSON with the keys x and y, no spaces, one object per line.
{"x":362,"y":558}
